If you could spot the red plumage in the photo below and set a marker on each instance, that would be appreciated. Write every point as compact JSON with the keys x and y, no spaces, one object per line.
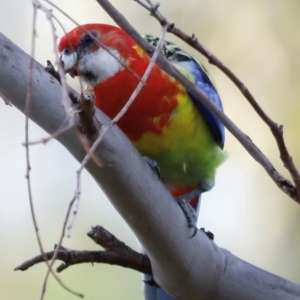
{"x":150,"y":111}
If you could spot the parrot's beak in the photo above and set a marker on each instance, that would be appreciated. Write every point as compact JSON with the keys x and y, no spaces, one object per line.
{"x":69,"y":63}
{"x":72,"y":72}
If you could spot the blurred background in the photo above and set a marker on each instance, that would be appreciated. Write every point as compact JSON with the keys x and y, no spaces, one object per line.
{"x":249,"y":215}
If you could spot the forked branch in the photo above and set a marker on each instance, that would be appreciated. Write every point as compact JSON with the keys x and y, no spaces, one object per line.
{"x":116,"y":253}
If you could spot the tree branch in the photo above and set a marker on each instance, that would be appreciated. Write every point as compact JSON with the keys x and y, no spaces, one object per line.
{"x":142,"y":200}
{"x":116,"y":253}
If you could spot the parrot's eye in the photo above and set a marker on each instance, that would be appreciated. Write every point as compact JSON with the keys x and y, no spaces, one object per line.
{"x":88,"y":39}
{"x":67,"y":51}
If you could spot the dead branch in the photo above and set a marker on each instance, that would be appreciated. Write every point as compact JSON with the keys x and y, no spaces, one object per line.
{"x":89,"y":124}
{"x":116,"y":253}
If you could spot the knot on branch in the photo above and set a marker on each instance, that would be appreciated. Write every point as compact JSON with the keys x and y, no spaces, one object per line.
{"x":88,"y":123}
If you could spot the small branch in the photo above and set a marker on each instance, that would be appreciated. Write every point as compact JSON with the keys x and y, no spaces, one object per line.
{"x":89,"y":125}
{"x":51,"y":70}
{"x":6,"y":101}
{"x":28,"y":167}
{"x":145,"y":76}
{"x":36,"y":6}
{"x":284,"y":184}
{"x":53,"y":258}
{"x":277,"y":130}
{"x":129,"y":257}
{"x":49,"y":15}
{"x":116,"y":253}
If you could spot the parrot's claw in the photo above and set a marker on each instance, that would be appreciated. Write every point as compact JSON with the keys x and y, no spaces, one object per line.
{"x":208,"y":233}
{"x":189,"y":213}
{"x":153,"y":165}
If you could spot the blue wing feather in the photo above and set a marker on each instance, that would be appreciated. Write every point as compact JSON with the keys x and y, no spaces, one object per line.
{"x":204,"y":83}
{"x":202,"y":80}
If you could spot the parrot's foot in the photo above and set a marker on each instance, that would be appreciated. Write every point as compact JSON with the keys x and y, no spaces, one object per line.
{"x":153,"y":165}
{"x":208,"y":233}
{"x":189,"y":213}
{"x":188,"y":210}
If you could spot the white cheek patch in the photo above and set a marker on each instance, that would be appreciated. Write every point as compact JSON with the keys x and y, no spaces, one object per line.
{"x":69,"y":60}
{"x":98,"y":66}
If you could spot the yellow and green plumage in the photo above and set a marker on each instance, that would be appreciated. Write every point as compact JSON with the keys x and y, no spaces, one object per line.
{"x":186,"y":151}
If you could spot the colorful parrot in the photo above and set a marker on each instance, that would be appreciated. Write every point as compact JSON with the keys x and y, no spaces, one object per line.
{"x":165,"y":122}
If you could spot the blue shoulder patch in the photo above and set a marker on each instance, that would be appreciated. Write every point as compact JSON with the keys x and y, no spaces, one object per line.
{"x":176,"y":56}
{"x":203,"y":82}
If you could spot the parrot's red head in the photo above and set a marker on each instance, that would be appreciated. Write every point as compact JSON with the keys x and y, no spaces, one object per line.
{"x":94,"y":52}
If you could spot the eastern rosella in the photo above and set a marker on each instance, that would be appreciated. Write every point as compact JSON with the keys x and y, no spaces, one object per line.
{"x":165,"y":122}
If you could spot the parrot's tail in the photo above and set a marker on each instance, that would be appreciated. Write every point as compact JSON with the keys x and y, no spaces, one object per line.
{"x":153,"y":292}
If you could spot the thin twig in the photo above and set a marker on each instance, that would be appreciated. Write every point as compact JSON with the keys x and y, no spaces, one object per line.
{"x":76,"y":199}
{"x":50,"y":17}
{"x":277,"y":130}
{"x":50,"y":69}
{"x":27,"y":105}
{"x":63,"y":82}
{"x":285,"y":185}
{"x":48,"y":138}
{"x":58,"y":246}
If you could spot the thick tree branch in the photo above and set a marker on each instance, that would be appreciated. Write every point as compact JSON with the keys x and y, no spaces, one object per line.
{"x":186,"y":267}
{"x":285,"y":185}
